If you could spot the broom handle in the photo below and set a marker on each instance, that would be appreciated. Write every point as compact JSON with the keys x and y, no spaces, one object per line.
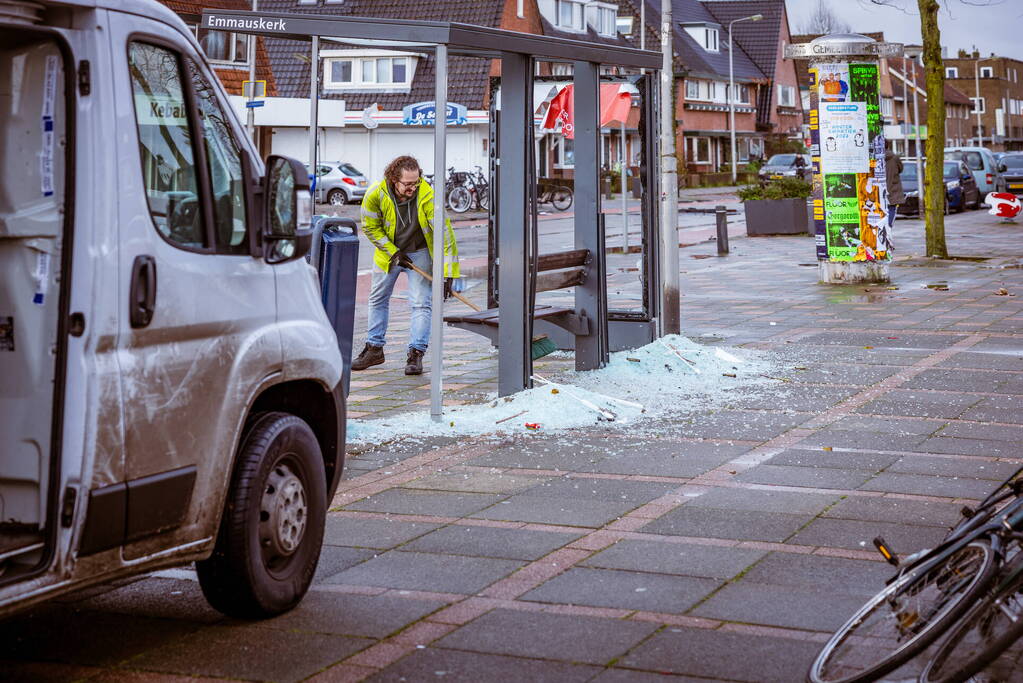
{"x":457,"y":295}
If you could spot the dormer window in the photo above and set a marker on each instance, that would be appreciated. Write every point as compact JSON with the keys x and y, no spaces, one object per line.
{"x":706,"y":35}
{"x":570,"y":15}
{"x":607,"y":21}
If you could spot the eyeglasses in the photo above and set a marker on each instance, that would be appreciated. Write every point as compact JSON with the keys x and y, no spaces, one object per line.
{"x":413,"y":185}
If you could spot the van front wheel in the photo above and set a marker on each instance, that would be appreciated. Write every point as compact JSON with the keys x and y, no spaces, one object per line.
{"x":272,"y":529}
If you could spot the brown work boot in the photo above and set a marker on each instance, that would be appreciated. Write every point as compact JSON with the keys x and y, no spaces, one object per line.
{"x":370,"y":356}
{"x":414,"y":363}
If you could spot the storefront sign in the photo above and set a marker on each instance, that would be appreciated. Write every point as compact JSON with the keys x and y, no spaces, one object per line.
{"x":425,"y":114}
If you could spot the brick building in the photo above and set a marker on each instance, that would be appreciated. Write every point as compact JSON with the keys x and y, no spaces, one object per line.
{"x":999,"y":100}
{"x":907,"y":75}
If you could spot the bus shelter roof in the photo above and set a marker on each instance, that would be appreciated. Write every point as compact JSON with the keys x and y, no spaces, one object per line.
{"x":461,"y":39}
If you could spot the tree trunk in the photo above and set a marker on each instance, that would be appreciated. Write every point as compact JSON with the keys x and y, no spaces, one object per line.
{"x":934,"y":184}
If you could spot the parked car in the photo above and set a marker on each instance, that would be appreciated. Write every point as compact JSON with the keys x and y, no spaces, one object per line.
{"x":1013,"y":172}
{"x":782,"y":165}
{"x":170,"y":380}
{"x":987,"y":171}
{"x":961,"y":190}
{"x":339,"y":183}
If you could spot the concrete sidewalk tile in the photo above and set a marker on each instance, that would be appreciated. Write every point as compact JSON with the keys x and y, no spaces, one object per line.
{"x":343,"y":673}
{"x":834,"y":459}
{"x":427,"y":571}
{"x":815,"y":477}
{"x":857,"y":535}
{"x":372,"y":533}
{"x":512,"y":544}
{"x":476,"y":482}
{"x":722,"y":655}
{"x":903,"y":511}
{"x":423,"y":633}
{"x":375,"y":616}
{"x":962,"y":446}
{"x":623,"y":589}
{"x":578,"y":512}
{"x":788,"y":502}
{"x":472,"y":667}
{"x":420,"y":502}
{"x":541,"y":635}
{"x":801,"y":607}
{"x":250,"y":652}
{"x":381,"y":654}
{"x":848,"y":577}
{"x":728,"y":524}
{"x":673,"y":558}
{"x":465,"y":611}
{"x":969,"y":467}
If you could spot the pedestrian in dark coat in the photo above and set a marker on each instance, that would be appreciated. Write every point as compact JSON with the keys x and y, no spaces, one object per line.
{"x":896,"y":195}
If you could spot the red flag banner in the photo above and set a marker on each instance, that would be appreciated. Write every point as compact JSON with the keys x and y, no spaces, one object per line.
{"x":560,"y":111}
{"x":614,"y":106}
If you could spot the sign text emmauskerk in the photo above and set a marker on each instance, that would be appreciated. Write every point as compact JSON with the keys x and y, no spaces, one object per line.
{"x":244,"y":23}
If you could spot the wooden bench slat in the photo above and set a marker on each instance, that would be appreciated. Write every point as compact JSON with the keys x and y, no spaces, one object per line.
{"x":562,"y":259}
{"x":491,"y":317}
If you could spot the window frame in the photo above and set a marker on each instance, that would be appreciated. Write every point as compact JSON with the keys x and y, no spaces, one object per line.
{"x":951,"y":72}
{"x":695,"y":85}
{"x":711,"y":45}
{"x":252,"y":244}
{"x":782,"y":90}
{"x":232,"y":37}
{"x":577,"y":21}
{"x":973,"y":105}
{"x":693,"y":144}
{"x":360,"y":64}
{"x":987,"y":72}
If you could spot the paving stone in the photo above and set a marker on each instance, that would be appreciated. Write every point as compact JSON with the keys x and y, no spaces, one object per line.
{"x":721,"y":655}
{"x":858,"y":535}
{"x":865,"y":440}
{"x":954,"y":467}
{"x":250,"y":652}
{"x":960,"y":446}
{"x":892,"y":426}
{"x":814,"y":477}
{"x":1008,"y":360}
{"x":633,"y":676}
{"x":916,"y":512}
{"x":92,"y":638}
{"x":951,"y":487}
{"x":815,"y":609}
{"x":674,"y":558}
{"x":623,"y":589}
{"x":981,"y":431}
{"x":478,"y":541}
{"x":661,"y":465}
{"x":372,"y":533}
{"x":335,"y":558}
{"x":544,"y":510}
{"x":726,"y":424}
{"x":840,"y":575}
{"x":886,"y":406}
{"x":607,"y":490}
{"x":841,"y":374}
{"x":880,"y":340}
{"x":746,"y":525}
{"x":427,"y":572}
{"x":418,"y":502}
{"x":961,"y":380}
{"x":478,"y":482}
{"x":372,"y":616}
{"x":155,"y":597}
{"x":591,"y":640}
{"x":789,"y":502}
{"x":874,"y":462}
{"x":796,"y":397}
{"x":472,"y":667}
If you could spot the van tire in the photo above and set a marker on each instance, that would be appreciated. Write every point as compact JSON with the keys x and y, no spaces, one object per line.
{"x":271,"y":532}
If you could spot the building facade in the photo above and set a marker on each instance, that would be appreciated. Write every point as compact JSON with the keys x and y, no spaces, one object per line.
{"x":995,"y":87}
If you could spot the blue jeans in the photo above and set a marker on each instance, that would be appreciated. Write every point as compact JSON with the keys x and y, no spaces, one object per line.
{"x":419,"y":295}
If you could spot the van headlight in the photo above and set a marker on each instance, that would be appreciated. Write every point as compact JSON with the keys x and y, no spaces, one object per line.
{"x":952,"y":184}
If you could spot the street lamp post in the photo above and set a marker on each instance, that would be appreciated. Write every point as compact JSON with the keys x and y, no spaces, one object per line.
{"x":976,"y":101}
{"x":731,"y":88}
{"x":913,"y":53}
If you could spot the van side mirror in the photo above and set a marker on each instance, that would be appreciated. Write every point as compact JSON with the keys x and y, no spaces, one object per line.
{"x":1002,"y":168}
{"x":288,"y":234}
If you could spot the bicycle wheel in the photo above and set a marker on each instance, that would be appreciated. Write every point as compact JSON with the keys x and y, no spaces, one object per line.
{"x":561,"y":198}
{"x":984,"y":635}
{"x":459,"y":199}
{"x":483,"y":193}
{"x":907,"y":616}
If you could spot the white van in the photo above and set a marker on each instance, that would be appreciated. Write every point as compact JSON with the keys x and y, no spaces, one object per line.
{"x":168,"y":376}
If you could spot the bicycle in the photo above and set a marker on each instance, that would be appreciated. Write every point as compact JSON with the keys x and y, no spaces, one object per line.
{"x":931,"y":592}
{"x":472,"y":189}
{"x":559,"y":196}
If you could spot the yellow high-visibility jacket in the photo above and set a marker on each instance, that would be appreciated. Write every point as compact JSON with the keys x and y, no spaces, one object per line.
{"x":379,"y":220}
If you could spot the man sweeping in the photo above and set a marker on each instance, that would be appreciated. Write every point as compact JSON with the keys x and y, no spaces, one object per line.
{"x":397,"y":217}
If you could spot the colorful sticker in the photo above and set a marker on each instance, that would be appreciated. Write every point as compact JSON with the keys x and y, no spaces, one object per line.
{"x":48,"y":141}
{"x":42,"y":277}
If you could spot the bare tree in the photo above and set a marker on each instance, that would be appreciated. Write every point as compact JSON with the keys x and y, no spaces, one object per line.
{"x":823,"y":20}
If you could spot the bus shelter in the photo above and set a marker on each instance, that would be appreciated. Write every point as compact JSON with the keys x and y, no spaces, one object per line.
{"x":515,"y":254}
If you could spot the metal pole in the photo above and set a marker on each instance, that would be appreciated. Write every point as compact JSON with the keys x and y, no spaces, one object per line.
{"x":976,"y":103}
{"x":314,"y":109}
{"x":251,"y":117}
{"x":670,"y":313}
{"x":440,"y":101}
{"x":916,"y":130}
{"x":625,"y":197}
{"x":905,"y":108}
{"x":642,"y":26}
{"x":721,"y":214}
{"x":731,"y":101}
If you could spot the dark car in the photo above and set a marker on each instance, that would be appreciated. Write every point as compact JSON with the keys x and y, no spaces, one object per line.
{"x":961,"y":190}
{"x":1013,"y":173}
{"x":786,"y":166}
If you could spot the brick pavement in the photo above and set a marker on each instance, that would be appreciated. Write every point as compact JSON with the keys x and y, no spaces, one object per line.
{"x":710,"y":546}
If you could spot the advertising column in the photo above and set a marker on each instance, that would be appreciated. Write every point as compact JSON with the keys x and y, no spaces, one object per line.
{"x":850,"y":196}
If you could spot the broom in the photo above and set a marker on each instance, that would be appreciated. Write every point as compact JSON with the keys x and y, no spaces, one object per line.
{"x":541,"y":345}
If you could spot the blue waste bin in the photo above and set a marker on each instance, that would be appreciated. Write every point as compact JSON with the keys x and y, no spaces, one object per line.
{"x":335,"y":254}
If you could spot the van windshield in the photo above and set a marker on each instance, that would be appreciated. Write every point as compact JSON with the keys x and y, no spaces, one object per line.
{"x":974,"y":160}
{"x":782,"y":160}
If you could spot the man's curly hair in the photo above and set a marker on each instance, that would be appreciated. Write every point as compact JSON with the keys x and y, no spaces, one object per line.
{"x":403,"y":163}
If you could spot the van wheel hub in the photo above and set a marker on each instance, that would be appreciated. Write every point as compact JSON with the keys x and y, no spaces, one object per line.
{"x":283,"y":513}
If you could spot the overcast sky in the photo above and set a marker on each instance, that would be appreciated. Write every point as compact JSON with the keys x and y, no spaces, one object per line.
{"x":992,"y":25}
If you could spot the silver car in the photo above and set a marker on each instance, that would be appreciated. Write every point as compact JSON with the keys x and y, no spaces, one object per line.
{"x":339,"y":183}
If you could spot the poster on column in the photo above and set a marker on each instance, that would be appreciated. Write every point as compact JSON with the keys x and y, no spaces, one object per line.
{"x":843,"y":131}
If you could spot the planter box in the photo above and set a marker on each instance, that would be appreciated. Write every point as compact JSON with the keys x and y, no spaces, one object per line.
{"x":776,"y":217}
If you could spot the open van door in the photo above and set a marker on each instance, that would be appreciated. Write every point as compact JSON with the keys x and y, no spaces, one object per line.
{"x":34,"y":258}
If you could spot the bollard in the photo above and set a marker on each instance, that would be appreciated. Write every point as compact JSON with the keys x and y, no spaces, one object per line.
{"x":850,"y":195}
{"x":721,"y":213}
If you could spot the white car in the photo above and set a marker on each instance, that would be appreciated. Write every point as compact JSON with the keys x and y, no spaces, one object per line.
{"x":170,"y":385}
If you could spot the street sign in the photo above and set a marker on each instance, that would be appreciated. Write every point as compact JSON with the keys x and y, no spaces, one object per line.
{"x":252,"y":104}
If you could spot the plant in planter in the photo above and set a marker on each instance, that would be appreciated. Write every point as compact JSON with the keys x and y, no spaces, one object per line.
{"x":776,"y":208}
